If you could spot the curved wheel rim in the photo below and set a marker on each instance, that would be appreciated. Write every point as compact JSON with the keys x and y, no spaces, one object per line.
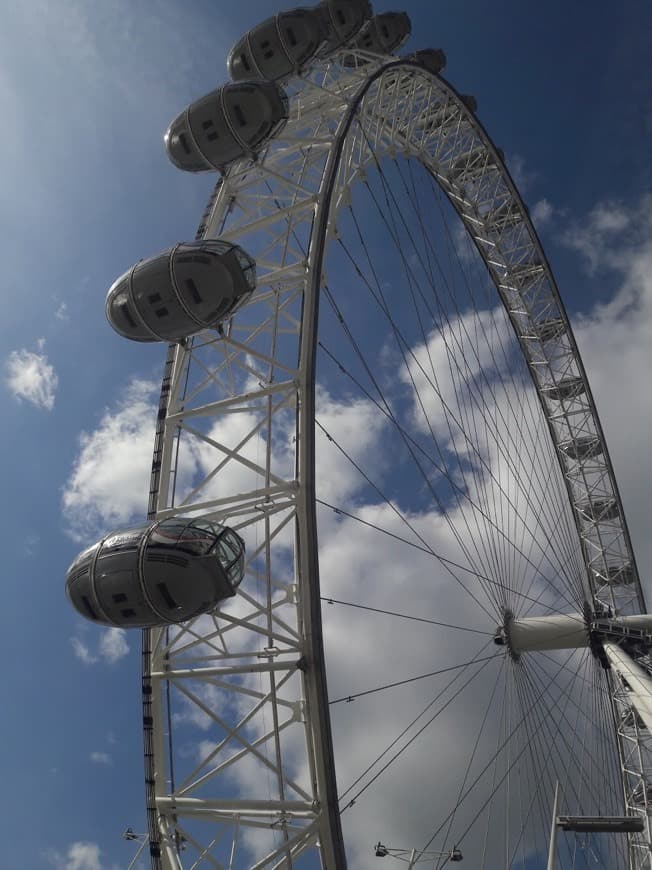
{"x":392,"y":96}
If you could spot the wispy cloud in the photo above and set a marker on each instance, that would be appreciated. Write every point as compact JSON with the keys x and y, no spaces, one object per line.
{"x":82,"y":652}
{"x":522,"y":175}
{"x":101,"y":758}
{"x":80,"y":856}
{"x":599,"y":237}
{"x":111,"y":647}
{"x":109,"y":481}
{"x":541,"y":213}
{"x":30,"y":376}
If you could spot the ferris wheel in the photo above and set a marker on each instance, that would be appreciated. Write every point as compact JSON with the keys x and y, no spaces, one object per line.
{"x":366,"y":341}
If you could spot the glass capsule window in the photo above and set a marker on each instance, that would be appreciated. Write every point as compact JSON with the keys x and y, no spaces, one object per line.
{"x":181,"y":148}
{"x":202,"y":279}
{"x":153,"y":293}
{"x":125,"y":539}
{"x":122,"y":314}
{"x":343,"y":20}
{"x":211,"y":131}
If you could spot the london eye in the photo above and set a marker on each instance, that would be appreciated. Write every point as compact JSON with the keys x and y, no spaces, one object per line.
{"x":376,"y":446}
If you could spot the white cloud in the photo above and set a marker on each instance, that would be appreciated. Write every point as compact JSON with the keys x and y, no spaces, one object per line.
{"x":521,"y":174}
{"x":541,"y":213}
{"x":615,"y":340}
{"x":82,"y":652}
{"x":80,"y":856}
{"x":62,"y":312}
{"x":31,"y":377}
{"x":606,"y":233}
{"x":356,"y":564}
{"x":31,"y":544}
{"x":113,"y":645}
{"x":110,"y":478}
{"x":101,"y":758}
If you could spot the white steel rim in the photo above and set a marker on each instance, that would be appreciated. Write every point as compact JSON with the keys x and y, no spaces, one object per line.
{"x":294,"y":190}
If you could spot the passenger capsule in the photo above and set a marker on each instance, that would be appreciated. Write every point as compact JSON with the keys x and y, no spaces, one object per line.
{"x":570,"y":388}
{"x":343,"y":20}
{"x":157,"y":574}
{"x":233,"y":122}
{"x":600,"y":510}
{"x":585,"y":447}
{"x":431,"y":59}
{"x":187,"y":288}
{"x":470,"y":102}
{"x":382,"y":34}
{"x":277,"y":48}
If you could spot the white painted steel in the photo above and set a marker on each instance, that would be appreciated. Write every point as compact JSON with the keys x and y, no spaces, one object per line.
{"x":568,"y":631}
{"x":637,"y":679}
{"x":552,"y":851}
{"x":282,"y":209}
{"x":548,"y":633}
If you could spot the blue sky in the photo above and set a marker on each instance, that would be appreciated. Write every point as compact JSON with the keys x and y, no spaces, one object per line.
{"x":87,"y":91}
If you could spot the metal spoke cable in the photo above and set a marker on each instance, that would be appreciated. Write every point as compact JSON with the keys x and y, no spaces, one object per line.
{"x":442,"y":469}
{"x":478,"y":539}
{"x":406,"y":344}
{"x":512,"y":734}
{"x":561,"y":501}
{"x":428,"y":550}
{"x":482,"y":538}
{"x":355,"y":695}
{"x":329,"y":600}
{"x":596,"y":765}
{"x":497,"y":545}
{"x":396,"y":208}
{"x":523,"y":596}
{"x":381,"y":494}
{"x":478,"y":320}
{"x":446,"y":837}
{"x":387,"y":412}
{"x":410,"y":725}
{"x":533,"y":762}
{"x":489,"y":471}
{"x":377,"y":528}
{"x":553,"y":742}
{"x":455,"y":486}
{"x":538,"y":756}
{"x":570,"y":558}
{"x":493,"y":791}
{"x":510,"y":767}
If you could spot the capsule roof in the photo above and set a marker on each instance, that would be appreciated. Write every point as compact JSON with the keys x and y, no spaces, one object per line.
{"x":343,"y":20}
{"x":432,"y":59}
{"x":278,"y":47}
{"x":230,"y":123}
{"x":382,"y":34}
{"x":179,"y":292}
